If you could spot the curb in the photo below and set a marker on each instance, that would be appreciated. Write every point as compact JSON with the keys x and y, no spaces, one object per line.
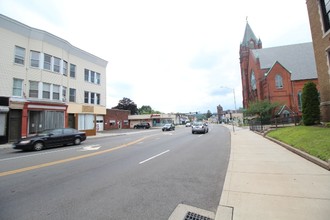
{"x":301,"y":153}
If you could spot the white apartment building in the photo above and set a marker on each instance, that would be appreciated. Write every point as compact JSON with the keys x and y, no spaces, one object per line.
{"x":45,"y":82}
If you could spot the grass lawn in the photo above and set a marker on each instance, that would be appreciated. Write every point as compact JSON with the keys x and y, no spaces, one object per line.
{"x":311,"y":139}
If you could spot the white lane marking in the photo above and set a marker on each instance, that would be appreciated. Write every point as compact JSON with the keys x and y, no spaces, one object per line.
{"x":93,"y":147}
{"x":154,"y":156}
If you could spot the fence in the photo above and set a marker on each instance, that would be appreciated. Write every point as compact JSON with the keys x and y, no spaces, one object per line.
{"x":260,"y":126}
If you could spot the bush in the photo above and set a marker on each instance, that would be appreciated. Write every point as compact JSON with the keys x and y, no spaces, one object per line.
{"x":310,"y":104}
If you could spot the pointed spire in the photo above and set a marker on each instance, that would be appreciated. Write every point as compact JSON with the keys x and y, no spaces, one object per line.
{"x":248,"y":35}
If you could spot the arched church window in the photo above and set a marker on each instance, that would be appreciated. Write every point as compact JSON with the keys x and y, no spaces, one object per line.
{"x":253,"y":81}
{"x":278,"y":81}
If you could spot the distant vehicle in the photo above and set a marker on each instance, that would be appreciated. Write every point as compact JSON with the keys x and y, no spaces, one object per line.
{"x":144,"y":125}
{"x":199,"y":127}
{"x":188,"y":124}
{"x":51,"y":138}
{"x":168,"y":127}
{"x":207,"y":127}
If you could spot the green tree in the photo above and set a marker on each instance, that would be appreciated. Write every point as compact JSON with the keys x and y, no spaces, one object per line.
{"x":145,"y":109}
{"x":310,"y":104}
{"x":263,"y":109}
{"x":127,"y":104}
{"x":208,"y":114}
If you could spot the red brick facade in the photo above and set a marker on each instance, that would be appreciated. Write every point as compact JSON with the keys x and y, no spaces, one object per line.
{"x":274,"y":82}
{"x":320,"y":29}
{"x":116,"y":119}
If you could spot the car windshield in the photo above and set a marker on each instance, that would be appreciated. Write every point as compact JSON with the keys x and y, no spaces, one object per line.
{"x":198,"y":123}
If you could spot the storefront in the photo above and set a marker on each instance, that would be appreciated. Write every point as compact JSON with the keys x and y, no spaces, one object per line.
{"x":39,"y":116}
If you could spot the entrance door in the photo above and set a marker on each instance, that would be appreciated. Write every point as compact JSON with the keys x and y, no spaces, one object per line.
{"x":99,"y":123}
{"x":71,"y":121}
{"x":35,"y":124}
{"x":15,"y":125}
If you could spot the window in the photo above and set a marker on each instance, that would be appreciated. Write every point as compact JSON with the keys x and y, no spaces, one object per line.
{"x":17,"y":87}
{"x":325,"y":8}
{"x":98,"y":99}
{"x":47,"y":61}
{"x":86,"y":97}
{"x":33,"y":92}
{"x":87,"y":75}
{"x":65,"y":68}
{"x":92,"y":98}
{"x":19,"y":55}
{"x":56,"y":92}
{"x":85,"y":122}
{"x":300,"y":101}
{"x":35,"y":57}
{"x":57,"y":64}
{"x":278,"y":81}
{"x":72,"y":97}
{"x":98,"y":78}
{"x":72,"y":70}
{"x":253,"y":81}
{"x":63,"y":94}
{"x":92,"y":76}
{"x":46,"y":91}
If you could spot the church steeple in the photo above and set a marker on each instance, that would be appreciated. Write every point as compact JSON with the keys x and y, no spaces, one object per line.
{"x":250,"y":40}
{"x":249,"y":43}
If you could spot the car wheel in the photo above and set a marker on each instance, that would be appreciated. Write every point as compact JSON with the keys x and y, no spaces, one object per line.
{"x":38,"y":146}
{"x":77,"y":141}
{"x":193,"y":132}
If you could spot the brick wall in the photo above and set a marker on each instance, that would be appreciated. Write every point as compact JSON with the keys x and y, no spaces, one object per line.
{"x":116,"y":119}
{"x":321,"y":44}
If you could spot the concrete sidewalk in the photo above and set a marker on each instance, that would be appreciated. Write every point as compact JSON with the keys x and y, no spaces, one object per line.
{"x":266,"y":181}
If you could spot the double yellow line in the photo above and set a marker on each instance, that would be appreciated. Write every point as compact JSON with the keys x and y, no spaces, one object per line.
{"x":6,"y":173}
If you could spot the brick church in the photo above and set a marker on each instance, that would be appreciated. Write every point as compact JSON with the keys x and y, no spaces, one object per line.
{"x":277,"y":74}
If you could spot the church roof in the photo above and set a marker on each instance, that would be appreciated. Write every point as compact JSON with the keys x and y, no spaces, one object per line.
{"x":248,"y":35}
{"x":297,"y":58}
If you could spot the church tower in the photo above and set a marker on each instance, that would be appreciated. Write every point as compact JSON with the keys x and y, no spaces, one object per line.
{"x":249,"y":42}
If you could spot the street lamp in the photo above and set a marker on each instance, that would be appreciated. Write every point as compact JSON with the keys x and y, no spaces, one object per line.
{"x":233,"y":93}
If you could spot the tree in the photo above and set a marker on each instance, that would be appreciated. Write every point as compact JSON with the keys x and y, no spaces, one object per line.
{"x":127,"y":104}
{"x":310,"y":104}
{"x":146,"y":109}
{"x":263,"y":109}
{"x":208,"y":114}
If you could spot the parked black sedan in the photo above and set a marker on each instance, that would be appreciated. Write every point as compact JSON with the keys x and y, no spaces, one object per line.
{"x":51,"y":138}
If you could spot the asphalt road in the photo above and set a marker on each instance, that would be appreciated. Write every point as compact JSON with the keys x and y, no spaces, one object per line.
{"x":139,"y":176}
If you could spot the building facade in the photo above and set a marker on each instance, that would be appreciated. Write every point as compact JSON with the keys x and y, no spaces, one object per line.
{"x":319,"y":19}
{"x":157,"y":120}
{"x":276,"y":74}
{"x":47,"y":83}
{"x":116,"y":119}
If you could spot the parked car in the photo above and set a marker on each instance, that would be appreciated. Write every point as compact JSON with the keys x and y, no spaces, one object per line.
{"x":168,"y":127}
{"x":199,"y":127}
{"x":188,"y":124}
{"x":50,"y":138}
{"x":144,"y":125}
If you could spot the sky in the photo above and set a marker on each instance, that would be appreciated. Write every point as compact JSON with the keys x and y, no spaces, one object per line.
{"x":172,"y":55}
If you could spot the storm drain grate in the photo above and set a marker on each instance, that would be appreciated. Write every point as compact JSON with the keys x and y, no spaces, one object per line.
{"x":194,"y":216}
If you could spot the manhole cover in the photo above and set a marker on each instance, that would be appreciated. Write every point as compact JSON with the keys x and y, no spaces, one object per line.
{"x":194,"y":216}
